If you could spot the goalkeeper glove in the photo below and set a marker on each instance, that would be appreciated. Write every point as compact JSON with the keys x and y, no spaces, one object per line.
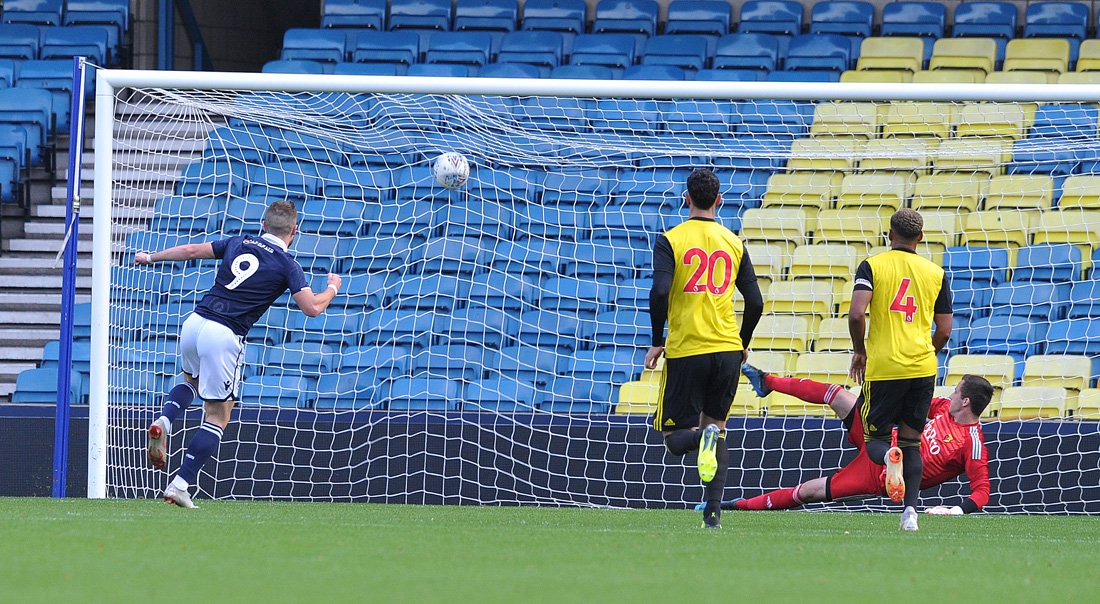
{"x":943,"y":510}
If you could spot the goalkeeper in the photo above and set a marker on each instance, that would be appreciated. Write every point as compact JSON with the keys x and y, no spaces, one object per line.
{"x":951,"y":444}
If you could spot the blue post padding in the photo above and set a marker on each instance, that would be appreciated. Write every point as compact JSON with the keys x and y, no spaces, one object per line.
{"x":68,"y":284}
{"x":166,"y":35}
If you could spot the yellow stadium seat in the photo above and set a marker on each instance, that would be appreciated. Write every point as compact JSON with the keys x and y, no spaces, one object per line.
{"x":1088,"y":405}
{"x":1030,"y":402}
{"x":779,"y":404}
{"x":877,"y":76}
{"x":964,"y":53}
{"x":739,"y":301}
{"x":786,"y":226}
{"x":1080,"y":193}
{"x":1020,"y":192}
{"x":949,"y":76}
{"x":949,"y":191}
{"x":933,"y":252}
{"x":832,"y":335}
{"x":990,"y":411}
{"x":638,"y":397}
{"x":891,"y":53}
{"x":800,"y":297}
{"x":898,"y":154}
{"x":827,"y":367}
{"x":1037,"y":54}
{"x":779,"y":363}
{"x":999,"y":369}
{"x":941,"y":229}
{"x":863,"y":228}
{"x":1020,"y":77}
{"x":874,"y":190}
{"x":831,"y":260}
{"x":746,"y":403}
{"x":846,"y":119}
{"x":784,"y":333}
{"x":802,"y":189}
{"x":1070,"y":372}
{"x":1079,"y":77}
{"x":1071,"y":226}
{"x":826,"y":153}
{"x":771,"y":261}
{"x":992,"y":119}
{"x":998,"y":229}
{"x":1088,"y":56}
{"x":919,"y":119}
{"x":973,"y":155}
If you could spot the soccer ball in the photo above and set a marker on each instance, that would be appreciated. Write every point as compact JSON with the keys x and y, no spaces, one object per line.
{"x":451,"y":169}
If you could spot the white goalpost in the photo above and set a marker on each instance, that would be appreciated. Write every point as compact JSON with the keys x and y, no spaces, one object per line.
{"x":487,"y":345}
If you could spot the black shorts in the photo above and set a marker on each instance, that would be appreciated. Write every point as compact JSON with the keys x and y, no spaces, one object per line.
{"x":884,"y":404}
{"x":704,"y":383}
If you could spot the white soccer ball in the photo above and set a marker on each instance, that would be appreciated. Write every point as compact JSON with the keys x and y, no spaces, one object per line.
{"x":451,"y":169}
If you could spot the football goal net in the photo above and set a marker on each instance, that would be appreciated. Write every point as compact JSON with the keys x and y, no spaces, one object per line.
{"x":487,"y":344}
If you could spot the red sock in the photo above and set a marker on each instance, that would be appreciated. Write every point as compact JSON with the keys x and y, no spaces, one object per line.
{"x":783,"y":499}
{"x":807,"y":390}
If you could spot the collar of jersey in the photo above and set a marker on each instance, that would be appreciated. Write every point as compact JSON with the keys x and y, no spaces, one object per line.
{"x":268,"y":237}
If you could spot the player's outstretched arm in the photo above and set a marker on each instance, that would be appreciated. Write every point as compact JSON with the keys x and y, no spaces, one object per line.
{"x":314,"y":304}
{"x":190,"y":251}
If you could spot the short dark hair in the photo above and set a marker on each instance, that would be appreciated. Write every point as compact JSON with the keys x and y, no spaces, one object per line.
{"x":978,"y":390}
{"x":907,"y":223}
{"x":280,"y":218}
{"x":702,"y":187}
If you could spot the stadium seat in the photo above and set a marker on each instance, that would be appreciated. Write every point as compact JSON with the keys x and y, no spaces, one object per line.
{"x":40,"y":386}
{"x":730,"y":75}
{"x":747,"y":51}
{"x":500,"y":394}
{"x":972,"y":155}
{"x":1069,"y":372}
{"x":830,"y":261}
{"x":302,"y":358}
{"x":877,"y":76}
{"x":862,"y":227}
{"x":178,"y":214}
{"x":286,"y":66}
{"x":776,"y":225}
{"x":1036,"y":301}
{"x":1080,"y":193}
{"x":1005,"y":120}
{"x":456,"y":362}
{"x":635,"y":17}
{"x":376,"y":362}
{"x":1084,"y":300}
{"x":1049,"y":56}
{"x":543,"y":49}
{"x":921,"y":19}
{"x":941,"y":230}
{"x":949,"y":76}
{"x":1056,"y":20}
{"x":19,"y":41}
{"x":92,"y":41}
{"x":486,"y":326}
{"x":421,"y":15}
{"x":512,"y":70}
{"x":472,"y":48}
{"x":1018,"y":77}
{"x":999,"y":369}
{"x":190,"y":284}
{"x":1032,"y":402}
{"x":441,"y":70}
{"x":819,"y":51}
{"x":332,"y":328}
{"x":985,"y":19}
{"x":614,"y":51}
{"x":840,"y":154}
{"x":34,"y":12}
{"x":783,"y":333}
{"x":710,"y":18}
{"x":354,"y":14}
{"x":853,"y":19}
{"x":777,"y":17}
{"x":1088,"y":58}
{"x":1064,"y":120}
{"x":775,"y":117}
{"x":687,"y":52}
{"x":638,"y":397}
{"x":947,"y":191}
{"x":919,"y":119}
{"x":399,"y":47}
{"x":899,"y":157}
{"x":496,"y":16}
{"x":997,"y":229}
{"x":826,"y":367}
{"x":832,"y":335}
{"x":654,"y":72}
{"x":566,"y":16}
{"x":528,"y":363}
{"x":562,"y":330}
{"x":314,"y":45}
{"x":346,"y":390}
{"x":964,"y":53}
{"x":276,"y":390}
{"x":896,"y":53}
{"x":1021,"y":192}
{"x":392,"y":327}
{"x":1081,"y":228}
{"x":873,"y":190}
{"x":420,"y":394}
{"x":583,"y":72}
{"x":570,"y":394}
{"x":800,"y":297}
{"x":845,"y":119}
{"x":802,"y":189}
{"x":439,"y":293}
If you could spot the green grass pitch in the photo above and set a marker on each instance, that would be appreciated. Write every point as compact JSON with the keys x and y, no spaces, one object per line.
{"x":119,"y":551}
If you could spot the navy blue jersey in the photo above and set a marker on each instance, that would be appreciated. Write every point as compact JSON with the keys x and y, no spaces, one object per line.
{"x":253,"y":273}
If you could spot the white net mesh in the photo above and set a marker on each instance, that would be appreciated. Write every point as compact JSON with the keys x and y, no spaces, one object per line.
{"x":486,"y":346}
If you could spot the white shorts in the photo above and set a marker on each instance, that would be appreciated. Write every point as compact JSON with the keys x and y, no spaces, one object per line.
{"x":214,"y":354}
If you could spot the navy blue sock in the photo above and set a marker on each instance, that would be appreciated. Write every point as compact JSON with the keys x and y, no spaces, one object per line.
{"x":179,"y":399}
{"x":201,"y":448}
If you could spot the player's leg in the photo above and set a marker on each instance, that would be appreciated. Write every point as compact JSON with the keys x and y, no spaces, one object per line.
{"x":915,"y":412}
{"x":879,"y":408}
{"x":811,"y":491}
{"x":179,"y":398}
{"x":676,"y":416}
{"x":714,"y":454}
{"x":818,"y":393}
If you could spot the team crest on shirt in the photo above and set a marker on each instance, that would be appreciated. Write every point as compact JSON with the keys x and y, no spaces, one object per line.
{"x":227,"y":385}
{"x":948,"y":438}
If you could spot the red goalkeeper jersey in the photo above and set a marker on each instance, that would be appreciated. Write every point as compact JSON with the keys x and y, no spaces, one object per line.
{"x":949,"y":448}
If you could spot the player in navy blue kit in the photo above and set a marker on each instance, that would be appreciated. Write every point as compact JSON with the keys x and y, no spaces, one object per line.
{"x":253,"y":273}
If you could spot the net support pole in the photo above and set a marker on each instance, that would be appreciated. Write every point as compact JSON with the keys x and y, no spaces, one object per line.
{"x":101,"y":283}
{"x":68,"y":284}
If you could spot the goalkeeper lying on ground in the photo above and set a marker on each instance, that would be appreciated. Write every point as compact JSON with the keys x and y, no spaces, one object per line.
{"x":950,"y":445}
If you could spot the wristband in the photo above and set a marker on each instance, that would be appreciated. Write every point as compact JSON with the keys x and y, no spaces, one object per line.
{"x":332,"y":286}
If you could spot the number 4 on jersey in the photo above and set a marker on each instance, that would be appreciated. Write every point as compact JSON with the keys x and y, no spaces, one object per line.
{"x":903,"y":302}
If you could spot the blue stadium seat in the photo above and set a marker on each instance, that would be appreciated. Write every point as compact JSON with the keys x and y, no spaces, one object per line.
{"x":374,"y":254}
{"x":453,"y":256}
{"x":567,"y":16}
{"x":635,"y":17}
{"x":276,"y":390}
{"x":294,"y":144}
{"x":40,"y":386}
{"x":555,"y":113}
{"x":9,"y":180}
{"x":614,"y":51}
{"x":346,"y":390}
{"x":542,"y":49}
{"x":1057,"y":20}
{"x":34,"y":12}
{"x":273,"y":326}
{"x":710,"y":18}
{"x":317,"y":253}
{"x":1035,"y":301}
{"x":613,"y":364}
{"x":399,"y":47}
{"x":500,"y":394}
{"x":346,"y":183}
{"x":583,"y":72}
{"x":284,"y":66}
{"x":513,"y":70}
{"x":628,"y":116}
{"x":497,"y":17}
{"x":654,"y":72}
{"x":243,"y":217}
{"x":985,"y":20}
{"x":393,"y":327}
{"x":852,"y":19}
{"x":115,"y":13}
{"x":570,"y":394}
{"x":820,"y":52}
{"x":92,"y":41}
{"x":1055,"y":263}
{"x":323,"y":45}
{"x":546,"y":328}
{"x":332,"y":216}
{"x":304,"y":358}
{"x":464,"y":48}
{"x":475,"y":217}
{"x":421,"y":15}
{"x":440,"y":293}
{"x":607,"y":260}
{"x":479,"y":325}
{"x":626,"y":328}
{"x":576,"y":188}
{"x":82,"y":320}
{"x":288,"y":179}
{"x":1084,"y":300}
{"x":747,"y":51}
{"x":19,"y":41}
{"x":776,"y":117}
{"x":356,"y":14}
{"x":451,"y":361}
{"x":581,"y":296}
{"x":420,"y":394}
{"x":633,"y":294}
{"x":531,"y":257}
{"x":1015,"y":336}
{"x":684,"y":51}
{"x":364,"y":291}
{"x":744,"y":188}
{"x":248,"y":143}
{"x":32,"y":110}
{"x":730,"y":75}
{"x":190,"y":284}
{"x":977,"y":264}
{"x":333,"y":328}
{"x":379,"y":362}
{"x":528,"y":363}
{"x":919,"y":19}
{"x":382,"y":69}
{"x":777,"y":17}
{"x":81,"y":355}
{"x":509,"y":291}
{"x":1065,"y":120}
{"x":1056,"y":156}
{"x":181,"y":214}
{"x":213,"y":176}
{"x":809,"y":75}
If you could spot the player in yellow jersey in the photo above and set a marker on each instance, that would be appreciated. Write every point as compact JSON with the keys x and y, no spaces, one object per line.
{"x":906,"y":295}
{"x":695,"y":266}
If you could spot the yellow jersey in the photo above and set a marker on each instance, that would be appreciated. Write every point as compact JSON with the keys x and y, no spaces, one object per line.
{"x":908,"y":291}
{"x":707,"y":259}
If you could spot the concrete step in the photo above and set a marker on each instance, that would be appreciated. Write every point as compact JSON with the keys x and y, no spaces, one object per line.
{"x":47,"y":246}
{"x":14,"y":302}
{"x":6,"y":389}
{"x":41,"y":265}
{"x":51,"y":230}
{"x":25,"y":336}
{"x":33,"y":317}
{"x":178,"y":131}
{"x":147,"y":195}
{"x":42,"y":282}
{"x":87,"y":213}
{"x":21,"y":353}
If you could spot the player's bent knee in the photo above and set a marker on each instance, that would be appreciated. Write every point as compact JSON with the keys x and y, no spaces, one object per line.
{"x":218,"y":412}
